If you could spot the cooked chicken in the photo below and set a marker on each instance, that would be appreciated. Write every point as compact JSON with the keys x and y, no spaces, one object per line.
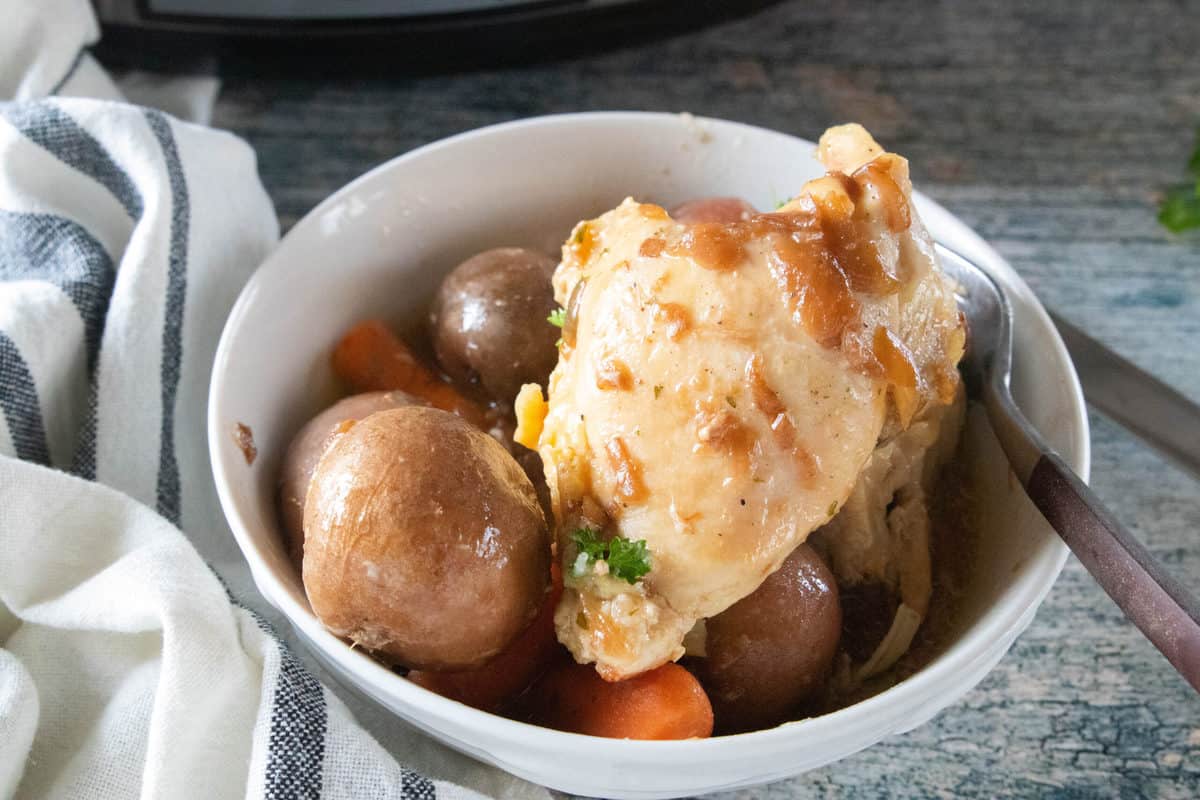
{"x":881,"y":535}
{"x":721,"y":387}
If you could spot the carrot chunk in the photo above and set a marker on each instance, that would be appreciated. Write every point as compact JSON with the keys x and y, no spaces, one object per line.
{"x":371,"y":358}
{"x":664,"y":703}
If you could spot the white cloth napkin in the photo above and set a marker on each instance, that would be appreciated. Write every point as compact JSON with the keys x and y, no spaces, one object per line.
{"x":128,"y":665}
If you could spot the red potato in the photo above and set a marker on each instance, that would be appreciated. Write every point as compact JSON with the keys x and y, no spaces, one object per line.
{"x":423,"y":541}
{"x":305,"y":451}
{"x":488,"y":321}
{"x":497,"y":683}
{"x":771,"y":651}
{"x":714,"y":209}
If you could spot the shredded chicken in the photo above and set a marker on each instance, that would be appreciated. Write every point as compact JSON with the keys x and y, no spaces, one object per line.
{"x":722,"y":387}
{"x":881,"y":535}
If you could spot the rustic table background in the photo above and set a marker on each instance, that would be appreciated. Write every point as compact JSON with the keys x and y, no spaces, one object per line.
{"x":1050,"y":127}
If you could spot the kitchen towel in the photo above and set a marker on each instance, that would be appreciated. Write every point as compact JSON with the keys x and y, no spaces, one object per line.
{"x":129,"y":666}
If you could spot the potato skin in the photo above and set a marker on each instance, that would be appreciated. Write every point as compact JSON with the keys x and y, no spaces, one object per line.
{"x":713,"y":209}
{"x":305,"y":451}
{"x":772,"y":650}
{"x":488,"y":321}
{"x":425,"y":542}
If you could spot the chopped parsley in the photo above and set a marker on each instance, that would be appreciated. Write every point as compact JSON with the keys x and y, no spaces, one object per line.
{"x":657,"y":390}
{"x":626,"y":560}
{"x":1180,"y":209}
{"x":557,"y":317}
{"x":729,"y":399}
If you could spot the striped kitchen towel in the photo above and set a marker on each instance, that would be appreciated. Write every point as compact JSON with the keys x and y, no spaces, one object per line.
{"x":127,"y":668}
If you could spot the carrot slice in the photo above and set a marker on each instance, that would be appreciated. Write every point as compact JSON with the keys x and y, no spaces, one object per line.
{"x":664,"y":703}
{"x":371,"y":358}
{"x":497,"y":683}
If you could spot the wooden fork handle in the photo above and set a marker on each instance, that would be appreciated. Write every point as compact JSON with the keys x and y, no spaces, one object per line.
{"x":1162,"y":608}
{"x":1166,"y":612}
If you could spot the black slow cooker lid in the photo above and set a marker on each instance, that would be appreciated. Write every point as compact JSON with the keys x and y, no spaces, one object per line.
{"x":330,"y":36}
{"x":311,"y":10}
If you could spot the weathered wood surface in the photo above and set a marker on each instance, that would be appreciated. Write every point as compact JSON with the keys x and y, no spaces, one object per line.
{"x":1049,"y":126}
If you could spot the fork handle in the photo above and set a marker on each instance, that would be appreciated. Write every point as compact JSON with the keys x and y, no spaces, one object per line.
{"x":1165,"y":611}
{"x":1162,"y":608}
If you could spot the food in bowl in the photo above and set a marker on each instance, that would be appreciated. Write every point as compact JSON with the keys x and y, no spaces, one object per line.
{"x":742,"y":424}
{"x":423,"y":540}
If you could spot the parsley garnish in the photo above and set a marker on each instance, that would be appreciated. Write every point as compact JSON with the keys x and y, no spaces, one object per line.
{"x":1180,"y":209}
{"x":657,"y":390}
{"x":627,"y":560}
{"x":557,"y":317}
{"x":589,"y":543}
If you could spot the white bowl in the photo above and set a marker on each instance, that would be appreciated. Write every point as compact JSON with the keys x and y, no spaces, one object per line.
{"x":378,"y":248}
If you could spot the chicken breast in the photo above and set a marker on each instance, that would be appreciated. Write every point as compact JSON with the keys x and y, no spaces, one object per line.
{"x":720,"y":388}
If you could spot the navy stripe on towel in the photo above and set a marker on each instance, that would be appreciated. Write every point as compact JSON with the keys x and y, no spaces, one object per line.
{"x":296,"y":747}
{"x":299,"y":720}
{"x":172,"y":336}
{"x":415,"y":786}
{"x":45,"y":247}
{"x":48,"y":126}
{"x":19,"y":402}
{"x":51,"y":128}
{"x":84,"y":464}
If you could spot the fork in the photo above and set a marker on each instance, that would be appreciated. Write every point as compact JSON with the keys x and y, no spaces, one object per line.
{"x":1162,"y":608}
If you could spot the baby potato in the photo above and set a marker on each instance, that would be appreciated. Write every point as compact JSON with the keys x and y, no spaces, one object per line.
{"x":714,"y":209}
{"x":305,"y":451}
{"x":424,"y":541}
{"x":488,"y":321}
{"x":772,"y":650}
